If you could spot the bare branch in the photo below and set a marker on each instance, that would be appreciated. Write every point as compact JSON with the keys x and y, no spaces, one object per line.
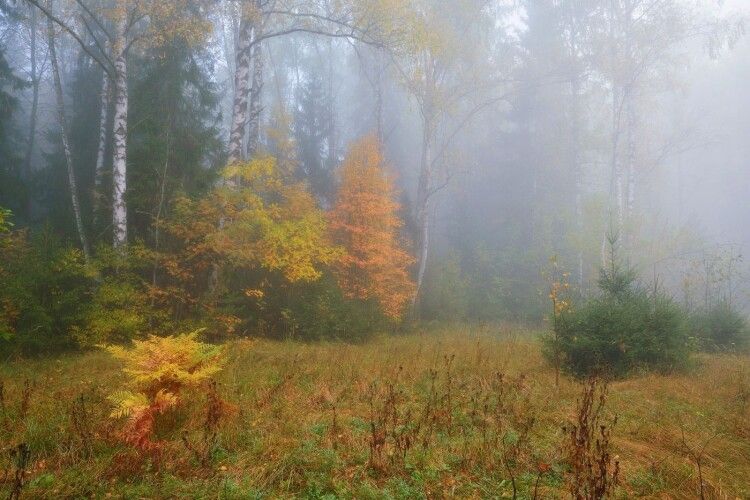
{"x":103,"y":60}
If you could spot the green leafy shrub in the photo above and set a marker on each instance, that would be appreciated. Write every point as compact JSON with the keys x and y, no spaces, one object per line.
{"x":118,"y":312}
{"x":624,"y":329}
{"x":122,"y":306}
{"x":721,"y":328}
{"x":51,"y":300}
{"x":313,"y":311}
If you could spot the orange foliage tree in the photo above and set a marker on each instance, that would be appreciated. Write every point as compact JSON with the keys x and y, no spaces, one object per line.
{"x":366,"y":224}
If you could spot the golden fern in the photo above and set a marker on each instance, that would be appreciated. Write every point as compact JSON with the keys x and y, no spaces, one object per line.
{"x":158,"y":370}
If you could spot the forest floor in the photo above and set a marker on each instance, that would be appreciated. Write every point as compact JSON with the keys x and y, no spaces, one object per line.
{"x":461,"y":412}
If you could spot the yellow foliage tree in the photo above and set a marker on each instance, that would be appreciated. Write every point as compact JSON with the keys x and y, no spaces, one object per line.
{"x":259,"y":221}
{"x":365,"y":222}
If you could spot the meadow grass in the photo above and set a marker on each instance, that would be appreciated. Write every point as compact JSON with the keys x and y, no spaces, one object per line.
{"x":465,"y":412}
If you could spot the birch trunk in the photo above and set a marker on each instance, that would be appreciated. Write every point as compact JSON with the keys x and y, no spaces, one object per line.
{"x":615,"y":180}
{"x":120,"y":134}
{"x":379,"y":69}
{"x":102,"y":146}
{"x":255,"y":96}
{"x":423,"y":207}
{"x":65,"y":142}
{"x":615,"y":188}
{"x":577,"y":171}
{"x":620,"y":197}
{"x":632,"y":157}
{"x":229,"y":42}
{"x":241,"y":89}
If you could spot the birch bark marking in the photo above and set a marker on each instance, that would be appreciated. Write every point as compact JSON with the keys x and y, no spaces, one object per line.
{"x":241,"y":88}
{"x":256,"y":93}
{"x":65,"y":142}
{"x":120,"y":133}
{"x":102,"y":147}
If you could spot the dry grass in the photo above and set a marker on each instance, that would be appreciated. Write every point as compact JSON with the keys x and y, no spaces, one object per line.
{"x":427,"y":415}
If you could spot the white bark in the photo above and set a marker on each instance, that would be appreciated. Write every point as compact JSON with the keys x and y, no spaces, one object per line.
{"x":620,"y":198}
{"x":632,"y":156}
{"x":65,"y":141}
{"x":102,"y":146}
{"x":242,"y":77}
{"x":103,"y":117}
{"x":332,"y":138}
{"x":120,"y":134}
{"x":379,"y":70}
{"x":255,"y":96}
{"x":423,"y":204}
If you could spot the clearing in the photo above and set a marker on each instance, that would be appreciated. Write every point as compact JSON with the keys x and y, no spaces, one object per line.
{"x":307,"y":419}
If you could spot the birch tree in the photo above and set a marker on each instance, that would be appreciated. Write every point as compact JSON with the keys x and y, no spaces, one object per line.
{"x":361,"y":20}
{"x":450,"y":86}
{"x":101,"y":148}
{"x":643,"y":45}
{"x":112,"y":30}
{"x":59,"y":98}
{"x":120,"y":48}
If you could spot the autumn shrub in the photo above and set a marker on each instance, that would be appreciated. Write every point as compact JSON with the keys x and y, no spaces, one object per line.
{"x":159,"y":372}
{"x":122,"y":306}
{"x":5,"y":222}
{"x":52,"y":299}
{"x":720,"y":327}
{"x":594,"y":469}
{"x":623,"y":329}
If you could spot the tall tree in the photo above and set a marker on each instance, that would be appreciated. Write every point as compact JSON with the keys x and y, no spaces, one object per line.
{"x":311,"y":128}
{"x":111,"y":31}
{"x":64,"y":134}
{"x":447,"y":76}
{"x":11,"y":181}
{"x":365,"y":222}
{"x":176,"y":146}
{"x":35,"y":78}
{"x":641,"y":45}
{"x":265,"y":19}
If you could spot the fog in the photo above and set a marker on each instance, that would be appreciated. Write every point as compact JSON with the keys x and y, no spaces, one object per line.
{"x":374,"y":249}
{"x":517,"y":132}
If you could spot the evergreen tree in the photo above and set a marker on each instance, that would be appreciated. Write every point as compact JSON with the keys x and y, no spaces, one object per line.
{"x":311,"y":131}
{"x":175,"y":144}
{"x":11,"y":188}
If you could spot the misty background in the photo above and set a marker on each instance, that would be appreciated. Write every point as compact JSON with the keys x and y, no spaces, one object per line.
{"x":549,"y":125}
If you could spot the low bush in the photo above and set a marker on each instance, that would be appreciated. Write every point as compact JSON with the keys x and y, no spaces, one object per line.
{"x":44,"y":282}
{"x":721,"y":328}
{"x":624,"y":329}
